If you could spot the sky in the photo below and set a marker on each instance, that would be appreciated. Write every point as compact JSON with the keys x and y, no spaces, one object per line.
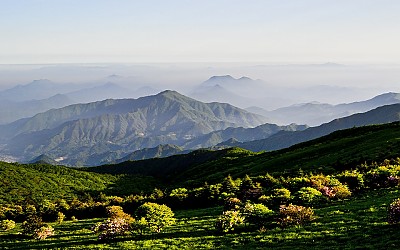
{"x":133,"y":31}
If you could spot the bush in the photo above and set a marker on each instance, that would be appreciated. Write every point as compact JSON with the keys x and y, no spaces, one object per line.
{"x":353,"y":179}
{"x":7,"y":225}
{"x":341,"y":192}
{"x":232,"y":204}
{"x":258,"y":214}
{"x":60,"y":217}
{"x":157,"y":216}
{"x":394,"y":212}
{"x":139,"y":226}
{"x":295,"y":215}
{"x":118,"y":223}
{"x":309,"y":195}
{"x":35,"y":227}
{"x":228,"y":221}
{"x":43,"y":232}
{"x":32,"y":223}
{"x":111,"y":228}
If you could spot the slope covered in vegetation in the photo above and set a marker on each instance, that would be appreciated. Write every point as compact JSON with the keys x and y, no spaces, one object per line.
{"x":337,"y":151}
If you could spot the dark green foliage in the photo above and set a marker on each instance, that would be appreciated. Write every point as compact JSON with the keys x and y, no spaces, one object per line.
{"x":34,"y":183}
{"x":328,"y":155}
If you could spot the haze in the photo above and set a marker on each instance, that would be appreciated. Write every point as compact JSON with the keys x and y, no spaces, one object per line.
{"x":303,"y":51}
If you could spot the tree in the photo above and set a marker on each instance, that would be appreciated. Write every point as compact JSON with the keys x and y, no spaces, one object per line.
{"x":157,"y":216}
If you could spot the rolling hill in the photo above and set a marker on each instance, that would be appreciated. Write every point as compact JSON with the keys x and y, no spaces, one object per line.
{"x":339,"y":150}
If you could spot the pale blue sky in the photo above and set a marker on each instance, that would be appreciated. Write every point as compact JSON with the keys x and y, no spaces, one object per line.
{"x":49,"y":31}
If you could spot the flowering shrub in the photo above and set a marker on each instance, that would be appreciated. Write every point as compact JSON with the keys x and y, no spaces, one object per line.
{"x":394,"y":212}
{"x":111,"y":228}
{"x":43,"y":232}
{"x":294,"y":215}
{"x":34,"y":227}
{"x":7,"y":225}
{"x":117,"y":224}
{"x":229,"y":220}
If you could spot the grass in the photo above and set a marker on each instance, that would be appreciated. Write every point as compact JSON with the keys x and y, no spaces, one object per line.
{"x":359,"y":223}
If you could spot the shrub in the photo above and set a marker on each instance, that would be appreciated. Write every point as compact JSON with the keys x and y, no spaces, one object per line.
{"x":297,"y":183}
{"x":394,"y":212}
{"x":341,"y":191}
{"x":117,"y":212}
{"x":157,"y":216}
{"x":32,"y":223}
{"x":139,"y":226}
{"x":118,"y":223}
{"x":60,"y":217}
{"x":232,"y":204}
{"x":111,"y":228}
{"x":43,"y":232}
{"x":228,"y":221}
{"x":179,"y":193}
{"x":258,"y":214}
{"x":294,"y":215}
{"x":7,"y":225}
{"x":353,"y":179}
{"x":309,"y":195}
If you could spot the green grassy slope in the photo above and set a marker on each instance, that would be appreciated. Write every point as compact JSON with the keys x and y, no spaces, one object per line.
{"x":35,"y":182}
{"x":339,"y":150}
{"x":359,"y":223}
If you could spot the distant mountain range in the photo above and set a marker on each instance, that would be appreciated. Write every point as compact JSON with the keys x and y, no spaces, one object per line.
{"x":284,"y":139}
{"x":83,"y":134}
{"x":236,"y":91}
{"x":314,"y":114}
{"x":25,"y":101}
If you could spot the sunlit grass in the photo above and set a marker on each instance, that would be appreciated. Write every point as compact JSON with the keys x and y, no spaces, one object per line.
{"x":359,"y":223}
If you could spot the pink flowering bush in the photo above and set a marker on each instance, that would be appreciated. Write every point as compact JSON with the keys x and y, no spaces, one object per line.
{"x":117,"y":224}
{"x":111,"y":228}
{"x":394,"y":212}
{"x":43,"y":232}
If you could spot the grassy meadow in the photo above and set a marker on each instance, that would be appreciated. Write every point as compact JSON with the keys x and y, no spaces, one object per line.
{"x":359,"y":223}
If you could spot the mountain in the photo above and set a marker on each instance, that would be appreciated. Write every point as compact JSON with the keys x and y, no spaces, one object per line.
{"x":84,"y":133}
{"x":106,"y":91}
{"x":157,"y":152}
{"x":284,"y":139}
{"x":36,"y":90}
{"x":240,"y":134}
{"x":44,"y":159}
{"x":217,"y":93}
{"x":315,"y":114}
{"x":11,"y":111}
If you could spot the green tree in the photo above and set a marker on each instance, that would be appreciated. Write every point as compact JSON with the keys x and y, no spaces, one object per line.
{"x":157,"y":216}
